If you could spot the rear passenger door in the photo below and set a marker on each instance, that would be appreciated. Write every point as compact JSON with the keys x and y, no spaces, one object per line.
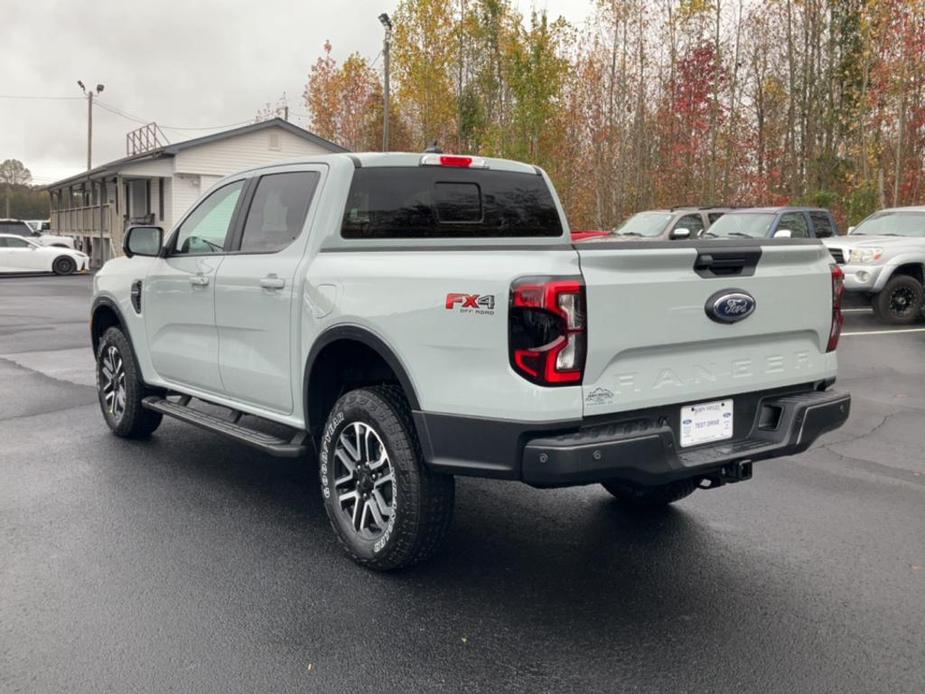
{"x":257,"y":290}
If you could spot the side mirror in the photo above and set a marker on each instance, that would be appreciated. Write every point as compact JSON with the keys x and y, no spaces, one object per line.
{"x":680,"y":233}
{"x":143,"y":241}
{"x":783,"y":234}
{"x":850,"y":229}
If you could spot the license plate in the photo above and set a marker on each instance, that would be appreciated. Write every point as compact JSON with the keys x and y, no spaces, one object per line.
{"x":706,"y":422}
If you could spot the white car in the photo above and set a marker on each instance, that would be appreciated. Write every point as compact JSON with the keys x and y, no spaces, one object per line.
{"x":18,"y":254}
{"x":41,"y":237}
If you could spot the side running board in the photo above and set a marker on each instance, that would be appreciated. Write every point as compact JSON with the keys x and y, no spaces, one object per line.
{"x":272,"y":445}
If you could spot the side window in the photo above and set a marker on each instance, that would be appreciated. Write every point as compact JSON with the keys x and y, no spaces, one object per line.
{"x":277,"y":213}
{"x":693,"y":222}
{"x":13,"y":243}
{"x":796,"y":222}
{"x":204,"y":231}
{"x":822,"y":224}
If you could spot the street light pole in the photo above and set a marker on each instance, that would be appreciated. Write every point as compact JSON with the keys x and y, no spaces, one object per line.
{"x":90,"y":94}
{"x":386,"y":46}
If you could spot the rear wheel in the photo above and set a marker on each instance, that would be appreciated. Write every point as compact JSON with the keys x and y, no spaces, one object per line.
{"x":900,"y":301}
{"x":387,"y":509}
{"x":64,"y":265}
{"x":120,"y":389}
{"x":651,"y":497}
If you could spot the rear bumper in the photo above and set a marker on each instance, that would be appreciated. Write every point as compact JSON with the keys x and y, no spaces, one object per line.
{"x":639,"y":448}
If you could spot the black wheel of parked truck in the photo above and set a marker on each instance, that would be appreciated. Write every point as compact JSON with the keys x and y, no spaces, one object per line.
{"x":900,"y":301}
{"x":387,"y":509}
{"x":120,"y":388}
{"x":651,"y":497}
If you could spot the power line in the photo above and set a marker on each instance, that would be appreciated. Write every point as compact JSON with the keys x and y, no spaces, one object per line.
{"x":138,"y":119}
{"x":44,"y":98}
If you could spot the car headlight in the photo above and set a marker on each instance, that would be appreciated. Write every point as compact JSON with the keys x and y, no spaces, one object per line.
{"x":865,"y":256}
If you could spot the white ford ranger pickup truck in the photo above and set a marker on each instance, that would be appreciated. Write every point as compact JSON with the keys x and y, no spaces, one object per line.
{"x":407,"y":318}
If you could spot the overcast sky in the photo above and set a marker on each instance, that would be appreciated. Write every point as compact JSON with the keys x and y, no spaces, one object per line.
{"x":186,"y":63}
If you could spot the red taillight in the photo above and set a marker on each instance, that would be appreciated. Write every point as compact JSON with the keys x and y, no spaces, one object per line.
{"x":838,"y":319}
{"x":450,"y":160}
{"x":454,"y":160}
{"x":548,"y":331}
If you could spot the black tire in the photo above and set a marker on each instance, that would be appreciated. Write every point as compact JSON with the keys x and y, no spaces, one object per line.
{"x":651,"y":497}
{"x":421,"y":501}
{"x":114,"y":355}
{"x":64,"y":265}
{"x":900,"y":301}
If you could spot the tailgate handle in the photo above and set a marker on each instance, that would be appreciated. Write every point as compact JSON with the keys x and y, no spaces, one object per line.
{"x":718,"y":263}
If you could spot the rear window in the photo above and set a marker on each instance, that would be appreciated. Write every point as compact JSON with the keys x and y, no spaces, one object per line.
{"x":442,"y":202}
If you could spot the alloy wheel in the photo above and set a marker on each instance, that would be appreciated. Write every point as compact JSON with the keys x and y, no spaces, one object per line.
{"x":364,"y":480}
{"x":112,"y":373}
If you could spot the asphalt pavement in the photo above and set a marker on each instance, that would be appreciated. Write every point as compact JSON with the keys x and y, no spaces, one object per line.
{"x":191,"y":564}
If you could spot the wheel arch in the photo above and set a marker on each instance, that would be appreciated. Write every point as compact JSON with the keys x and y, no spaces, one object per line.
{"x":348,"y":355}
{"x":915,"y":270}
{"x":104,"y":314}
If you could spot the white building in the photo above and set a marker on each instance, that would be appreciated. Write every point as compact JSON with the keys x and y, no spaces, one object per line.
{"x":159,"y":185}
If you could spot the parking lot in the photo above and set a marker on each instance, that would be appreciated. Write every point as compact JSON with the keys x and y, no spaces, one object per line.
{"x":189,"y":563}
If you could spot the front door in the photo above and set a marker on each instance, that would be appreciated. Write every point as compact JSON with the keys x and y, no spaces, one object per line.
{"x":179,"y":294}
{"x":19,"y":255}
{"x":257,"y":291}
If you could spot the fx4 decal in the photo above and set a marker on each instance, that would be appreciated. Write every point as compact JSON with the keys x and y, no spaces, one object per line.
{"x":471,"y":303}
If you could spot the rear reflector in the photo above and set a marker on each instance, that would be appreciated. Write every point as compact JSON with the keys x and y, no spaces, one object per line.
{"x":454,"y":160}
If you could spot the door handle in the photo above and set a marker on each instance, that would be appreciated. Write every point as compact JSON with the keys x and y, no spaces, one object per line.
{"x":272,"y":282}
{"x":199,"y":280}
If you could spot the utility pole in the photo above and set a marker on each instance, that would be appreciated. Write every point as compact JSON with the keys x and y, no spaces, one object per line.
{"x":386,"y":46}
{"x":90,"y":94}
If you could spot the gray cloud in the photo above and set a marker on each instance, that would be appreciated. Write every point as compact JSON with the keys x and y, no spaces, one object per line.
{"x":190,"y":63}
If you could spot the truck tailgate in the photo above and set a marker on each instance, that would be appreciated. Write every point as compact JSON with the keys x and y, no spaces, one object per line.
{"x":651,"y":341}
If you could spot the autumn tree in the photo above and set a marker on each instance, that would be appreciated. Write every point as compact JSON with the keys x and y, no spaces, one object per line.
{"x":12,"y":174}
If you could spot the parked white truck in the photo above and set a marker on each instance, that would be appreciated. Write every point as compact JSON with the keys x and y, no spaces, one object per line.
{"x":414,"y":317}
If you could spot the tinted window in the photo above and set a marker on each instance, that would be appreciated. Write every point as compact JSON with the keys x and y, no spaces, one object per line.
{"x":692,"y":222}
{"x":822,"y":224}
{"x":205,"y":229}
{"x":18,"y":228}
{"x":796,"y":222}
{"x":277,"y":213}
{"x":434,"y":202}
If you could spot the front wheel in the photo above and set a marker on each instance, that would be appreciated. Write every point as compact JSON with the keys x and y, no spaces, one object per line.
{"x":64,"y":265}
{"x":900,"y":301}
{"x":120,"y":389}
{"x":387,"y":509}
{"x":651,"y":497}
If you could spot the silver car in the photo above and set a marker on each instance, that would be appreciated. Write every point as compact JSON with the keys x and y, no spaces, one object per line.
{"x":883,"y":259}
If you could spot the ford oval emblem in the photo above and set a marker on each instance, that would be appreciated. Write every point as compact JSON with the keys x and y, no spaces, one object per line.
{"x":730,"y":306}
